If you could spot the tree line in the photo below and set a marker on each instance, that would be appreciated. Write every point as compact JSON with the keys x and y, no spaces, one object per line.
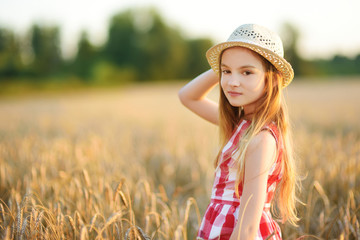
{"x":140,"y":46}
{"x":338,"y":65}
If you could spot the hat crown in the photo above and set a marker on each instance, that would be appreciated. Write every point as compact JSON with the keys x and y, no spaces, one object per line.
{"x":258,"y":35}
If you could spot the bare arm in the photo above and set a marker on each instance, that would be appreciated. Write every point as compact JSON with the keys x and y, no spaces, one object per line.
{"x":193,"y":96}
{"x":258,"y":160}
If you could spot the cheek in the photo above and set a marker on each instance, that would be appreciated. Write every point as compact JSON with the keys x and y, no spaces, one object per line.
{"x":222,"y":82}
{"x":257,"y":84}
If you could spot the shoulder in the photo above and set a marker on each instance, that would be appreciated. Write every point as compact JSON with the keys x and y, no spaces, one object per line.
{"x":263,"y":141}
{"x":261,"y":152}
{"x":273,"y":129}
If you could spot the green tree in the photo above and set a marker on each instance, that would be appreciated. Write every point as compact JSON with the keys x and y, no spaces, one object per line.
{"x":45,"y":44}
{"x":357,"y":64}
{"x":164,"y":50}
{"x":10,"y":55}
{"x":120,"y":47}
{"x":85,"y":58}
{"x":196,"y":59}
{"x":290,"y":36}
{"x":140,"y":39}
{"x":342,"y":65}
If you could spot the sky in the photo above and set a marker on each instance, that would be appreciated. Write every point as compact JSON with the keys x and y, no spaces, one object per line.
{"x":327,"y":27}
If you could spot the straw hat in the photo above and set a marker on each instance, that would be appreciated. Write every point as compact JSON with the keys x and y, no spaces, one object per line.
{"x":259,"y":39}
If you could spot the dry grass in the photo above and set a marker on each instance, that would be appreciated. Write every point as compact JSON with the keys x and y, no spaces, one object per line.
{"x":133,"y":163}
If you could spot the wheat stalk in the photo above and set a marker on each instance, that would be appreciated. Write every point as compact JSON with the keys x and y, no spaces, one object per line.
{"x":3,"y":173}
{"x":3,"y":214}
{"x":72,"y":224}
{"x":351,"y":200}
{"x":32,"y":220}
{"x":123,"y":199}
{"x":323,"y":195}
{"x":157,"y":220}
{"x":7,"y":234}
{"x":146,"y":186}
{"x":163,"y":194}
{"x":135,"y":232}
{"x":191,"y":202}
{"x":86,"y":196}
{"x":93,"y":220}
{"x":77,"y":219}
{"x":180,"y":232}
{"x":108,"y":193}
{"x":166,"y":223}
{"x":118,"y":188}
{"x":19,"y":218}
{"x":109,"y":221}
{"x":84,"y":233}
{"x":86,"y":178}
{"x":23,"y":229}
{"x":47,"y":233}
{"x":25,"y":200}
{"x":13,"y":228}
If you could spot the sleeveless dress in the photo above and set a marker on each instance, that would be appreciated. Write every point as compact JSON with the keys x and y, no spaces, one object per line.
{"x":222,"y":213}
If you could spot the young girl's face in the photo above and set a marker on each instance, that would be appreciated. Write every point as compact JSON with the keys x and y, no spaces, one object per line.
{"x":242,"y":77}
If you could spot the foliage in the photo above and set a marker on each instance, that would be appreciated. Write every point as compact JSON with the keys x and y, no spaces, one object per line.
{"x":139,"y":42}
{"x":338,"y":65}
{"x":45,"y":45}
{"x":140,"y":39}
{"x":10,"y":54}
{"x":196,"y":61}
{"x":86,"y":57}
{"x":290,"y":37}
{"x":106,"y":73}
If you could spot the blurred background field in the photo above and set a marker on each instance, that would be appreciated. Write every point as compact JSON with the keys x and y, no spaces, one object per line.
{"x":93,"y":164}
{"x":94,"y":142}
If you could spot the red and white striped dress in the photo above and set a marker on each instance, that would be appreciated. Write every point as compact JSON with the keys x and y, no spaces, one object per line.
{"x":222,"y":213}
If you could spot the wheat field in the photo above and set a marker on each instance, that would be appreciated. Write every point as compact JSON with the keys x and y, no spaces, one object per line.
{"x":132,"y":163}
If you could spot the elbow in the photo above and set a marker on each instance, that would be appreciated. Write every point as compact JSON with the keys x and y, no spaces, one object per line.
{"x":250,"y":232}
{"x":182,"y":96}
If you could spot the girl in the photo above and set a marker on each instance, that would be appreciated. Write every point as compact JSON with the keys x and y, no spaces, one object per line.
{"x":256,"y":156}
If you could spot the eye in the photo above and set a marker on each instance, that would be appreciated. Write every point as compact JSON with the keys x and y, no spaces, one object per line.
{"x":225,"y":71}
{"x":246,"y":73}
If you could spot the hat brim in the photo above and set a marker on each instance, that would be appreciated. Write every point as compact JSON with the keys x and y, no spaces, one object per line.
{"x":214,"y":53}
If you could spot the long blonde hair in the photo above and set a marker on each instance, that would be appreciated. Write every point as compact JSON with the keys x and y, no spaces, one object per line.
{"x":271,"y":108}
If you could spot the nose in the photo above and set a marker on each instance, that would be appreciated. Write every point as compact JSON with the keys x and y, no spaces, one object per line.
{"x":234,"y":81}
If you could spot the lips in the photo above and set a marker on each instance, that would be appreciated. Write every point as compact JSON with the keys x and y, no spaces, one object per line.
{"x":234,"y":94}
